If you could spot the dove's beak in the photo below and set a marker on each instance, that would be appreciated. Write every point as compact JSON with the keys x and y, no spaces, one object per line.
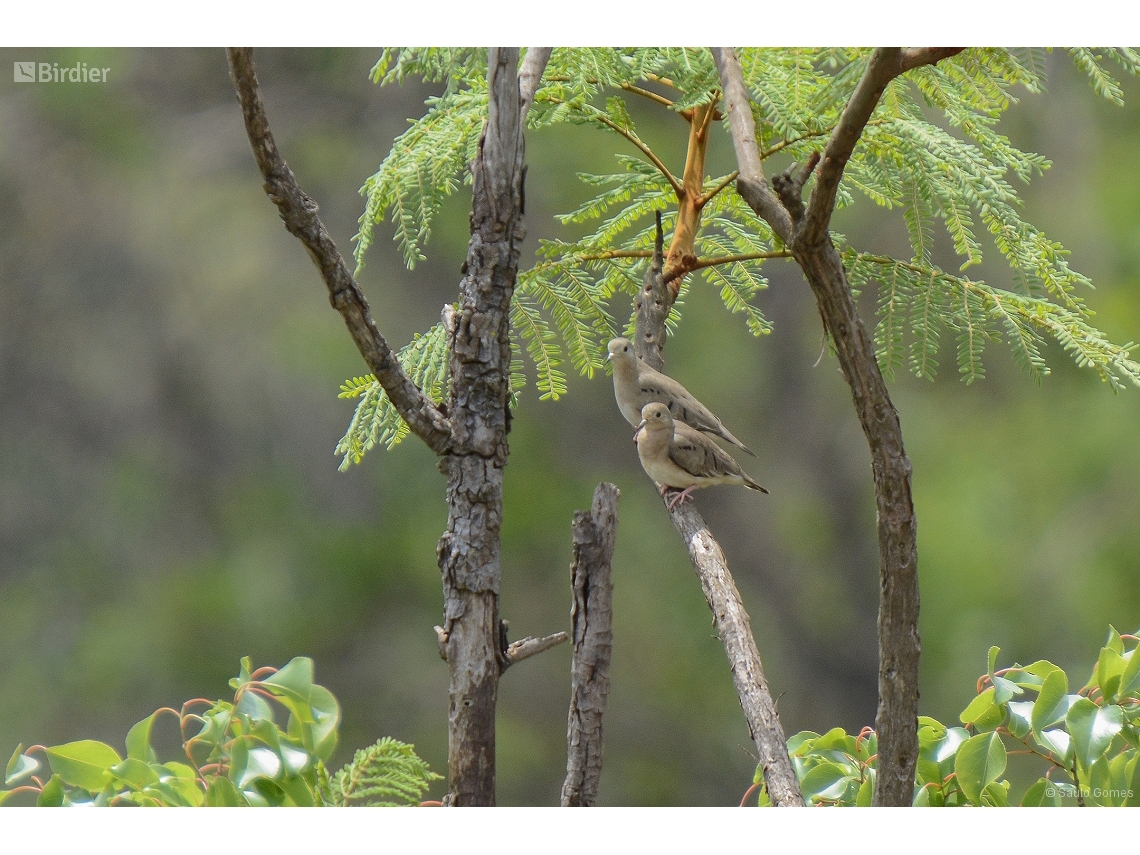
{"x":640,"y":427}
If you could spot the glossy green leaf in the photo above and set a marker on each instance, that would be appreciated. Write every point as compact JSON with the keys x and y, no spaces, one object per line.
{"x":928,"y":795}
{"x":84,"y":763}
{"x":827,"y":781}
{"x":1131,"y":735}
{"x":134,"y":773}
{"x":978,"y":707}
{"x":1130,"y":676}
{"x":294,"y":679}
{"x":1020,"y":718}
{"x":220,"y":792}
{"x":178,"y":770}
{"x":1005,"y":689}
{"x":1042,"y":668}
{"x":52,"y":793}
{"x":1092,"y":729}
{"x":1041,"y":794}
{"x":979,"y":762}
{"x":1052,"y":702}
{"x":254,"y":706}
{"x":259,"y":763}
{"x":297,"y":790}
{"x":996,"y":794}
{"x":1120,"y":777}
{"x":947,"y":749}
{"x":992,"y":660}
{"x":1099,"y":784}
{"x":801,"y":743}
{"x":138,"y":741}
{"x":20,"y":766}
{"x":1114,"y":642}
{"x":246,"y":668}
{"x":983,"y":713}
{"x":180,"y":791}
{"x":315,"y":712}
{"x":1109,"y":667}
{"x":836,"y":738}
{"x":1058,"y":743}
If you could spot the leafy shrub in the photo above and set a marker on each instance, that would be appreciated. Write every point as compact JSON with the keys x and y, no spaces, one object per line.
{"x":239,"y":756}
{"x":1088,"y":739}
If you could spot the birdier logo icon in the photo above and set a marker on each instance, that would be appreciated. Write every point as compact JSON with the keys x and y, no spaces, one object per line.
{"x":24,"y":72}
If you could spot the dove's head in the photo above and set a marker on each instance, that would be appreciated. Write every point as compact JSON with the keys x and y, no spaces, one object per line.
{"x":655,"y":418}
{"x":621,"y":349}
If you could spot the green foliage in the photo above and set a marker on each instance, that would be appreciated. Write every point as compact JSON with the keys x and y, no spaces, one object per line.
{"x":239,"y":756}
{"x":1088,"y":740}
{"x":376,"y":419}
{"x":386,"y":774}
{"x":954,"y":168}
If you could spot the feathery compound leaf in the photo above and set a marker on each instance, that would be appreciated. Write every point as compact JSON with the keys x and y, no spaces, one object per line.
{"x":387,"y":774}
{"x":979,"y":313}
{"x":376,"y":420}
{"x":1103,"y":83}
{"x":541,"y":346}
{"x":422,"y":169}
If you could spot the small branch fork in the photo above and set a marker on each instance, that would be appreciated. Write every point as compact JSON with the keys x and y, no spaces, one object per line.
{"x":804,"y":230}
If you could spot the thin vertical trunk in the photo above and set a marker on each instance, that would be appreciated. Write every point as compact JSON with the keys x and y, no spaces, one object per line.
{"x":469,"y":551}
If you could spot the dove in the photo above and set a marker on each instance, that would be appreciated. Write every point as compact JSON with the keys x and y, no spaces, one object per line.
{"x":636,"y":384}
{"x":675,"y":455}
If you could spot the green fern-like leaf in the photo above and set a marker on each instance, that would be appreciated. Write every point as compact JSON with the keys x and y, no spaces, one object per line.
{"x":376,"y":420}
{"x":387,"y":774}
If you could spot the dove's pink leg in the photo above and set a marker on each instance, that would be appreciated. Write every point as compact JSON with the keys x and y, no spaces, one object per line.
{"x":680,"y":497}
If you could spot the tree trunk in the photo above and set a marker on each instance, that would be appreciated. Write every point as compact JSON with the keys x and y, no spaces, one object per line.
{"x":469,"y":551}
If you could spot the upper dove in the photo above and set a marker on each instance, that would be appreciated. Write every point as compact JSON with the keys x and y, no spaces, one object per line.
{"x":637,"y":384}
{"x":675,"y":455}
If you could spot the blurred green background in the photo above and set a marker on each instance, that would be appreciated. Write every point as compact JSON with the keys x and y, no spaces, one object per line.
{"x":170,"y":499}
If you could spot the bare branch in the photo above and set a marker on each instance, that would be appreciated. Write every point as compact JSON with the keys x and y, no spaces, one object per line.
{"x":751,"y":184}
{"x":300,"y":215}
{"x":884,"y":66}
{"x":645,"y":93}
{"x":530,"y":75}
{"x":530,"y":646}
{"x":735,"y":631}
{"x":651,"y":305}
{"x":592,"y":617}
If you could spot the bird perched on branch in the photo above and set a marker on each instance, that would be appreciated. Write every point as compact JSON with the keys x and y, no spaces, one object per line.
{"x":674,"y":455}
{"x":637,"y":384}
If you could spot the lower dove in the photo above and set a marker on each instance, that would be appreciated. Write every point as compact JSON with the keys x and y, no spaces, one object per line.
{"x":674,"y":455}
{"x":637,"y":384}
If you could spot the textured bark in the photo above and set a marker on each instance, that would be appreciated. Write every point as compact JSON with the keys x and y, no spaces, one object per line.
{"x":473,"y":441}
{"x":729,"y":616}
{"x":469,"y":551}
{"x":651,"y":305}
{"x":735,"y":631}
{"x":806,"y":233}
{"x":592,"y":622}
